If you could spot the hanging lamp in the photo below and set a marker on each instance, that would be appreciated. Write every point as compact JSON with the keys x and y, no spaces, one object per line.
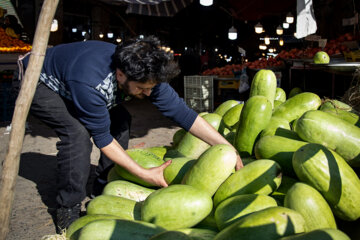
{"x":279,"y":30}
{"x":289,"y":18}
{"x":258,"y":28}
{"x":285,"y":25}
{"x":54,"y":25}
{"x":232,"y":35}
{"x":267,"y":40}
{"x":281,"y":42}
{"x":206,"y":3}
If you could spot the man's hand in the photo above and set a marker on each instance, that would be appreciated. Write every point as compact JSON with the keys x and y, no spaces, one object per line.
{"x":239,"y":163}
{"x":155,"y":175}
{"x":118,"y":155}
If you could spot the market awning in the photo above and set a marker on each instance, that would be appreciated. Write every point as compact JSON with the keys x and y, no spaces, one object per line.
{"x":162,"y":9}
{"x":257,"y":9}
{"x":157,"y":8}
{"x":6,"y":4}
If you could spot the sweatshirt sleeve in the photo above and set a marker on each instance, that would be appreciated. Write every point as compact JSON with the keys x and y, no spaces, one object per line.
{"x":92,"y":112}
{"x":168,"y":102}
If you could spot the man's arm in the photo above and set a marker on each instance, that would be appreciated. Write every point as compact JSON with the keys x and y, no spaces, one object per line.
{"x":207,"y":133}
{"x":118,"y":155}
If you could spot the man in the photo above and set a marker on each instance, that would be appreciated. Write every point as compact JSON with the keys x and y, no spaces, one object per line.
{"x":78,"y":95}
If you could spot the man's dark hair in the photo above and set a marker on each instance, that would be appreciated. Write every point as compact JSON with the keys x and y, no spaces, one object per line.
{"x":142,"y":60}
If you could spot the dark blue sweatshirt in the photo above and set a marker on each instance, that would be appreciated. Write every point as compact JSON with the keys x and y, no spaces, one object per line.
{"x":82,"y":73}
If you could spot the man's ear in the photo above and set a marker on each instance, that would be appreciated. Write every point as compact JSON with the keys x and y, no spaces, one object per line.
{"x":120,"y":76}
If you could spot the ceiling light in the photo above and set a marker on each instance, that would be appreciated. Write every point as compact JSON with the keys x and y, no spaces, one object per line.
{"x":281,"y":42}
{"x":271,"y":50}
{"x":289,"y":18}
{"x":118,"y":40}
{"x":83,"y":33}
{"x":286,"y":25}
{"x":279,"y":30}
{"x":258,"y":28}
{"x":101,"y":35}
{"x":74,"y":30}
{"x":232,"y":33}
{"x":262,"y":47}
{"x":206,"y":2}
{"x":110,"y":35}
{"x":54,"y":25}
{"x":267,"y":40}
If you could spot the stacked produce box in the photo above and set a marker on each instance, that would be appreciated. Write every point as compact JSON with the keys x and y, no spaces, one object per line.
{"x":300,"y":154}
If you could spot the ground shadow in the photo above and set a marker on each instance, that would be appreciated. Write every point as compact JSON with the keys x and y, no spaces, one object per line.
{"x":146,"y":116}
{"x":41,"y":169}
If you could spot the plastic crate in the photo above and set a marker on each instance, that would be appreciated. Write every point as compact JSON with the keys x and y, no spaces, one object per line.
{"x":353,"y":56}
{"x":233,"y":84}
{"x":199,"y":92}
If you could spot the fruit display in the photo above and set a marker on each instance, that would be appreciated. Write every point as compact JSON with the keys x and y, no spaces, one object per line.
{"x":231,"y":69}
{"x":10,"y":44}
{"x":226,"y":70}
{"x":298,"y":181}
{"x":334,"y":47}
{"x":268,"y":63}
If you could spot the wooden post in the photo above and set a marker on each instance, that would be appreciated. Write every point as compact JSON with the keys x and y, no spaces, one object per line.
{"x":12,"y":160}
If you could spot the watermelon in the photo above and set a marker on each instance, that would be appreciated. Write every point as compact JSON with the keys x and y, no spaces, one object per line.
{"x":234,"y":208}
{"x":267,"y":224}
{"x":108,"y":229}
{"x":258,"y":177}
{"x":326,"y":234}
{"x":144,"y":158}
{"x":329,"y":173}
{"x":212,"y":168}
{"x":177,"y":206}
{"x":264,"y":84}
{"x":311,"y":205}
{"x":117,"y":206}
{"x":254,"y":118}
{"x":129,"y":190}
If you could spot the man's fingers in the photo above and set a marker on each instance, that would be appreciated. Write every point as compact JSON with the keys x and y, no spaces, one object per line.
{"x":165,"y":164}
{"x":164,"y":184}
{"x":239,"y":164}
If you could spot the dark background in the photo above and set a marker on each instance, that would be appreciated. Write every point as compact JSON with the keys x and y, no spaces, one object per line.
{"x":196,"y":27}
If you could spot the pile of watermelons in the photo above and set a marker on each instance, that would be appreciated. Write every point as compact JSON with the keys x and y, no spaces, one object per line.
{"x":299,"y":153}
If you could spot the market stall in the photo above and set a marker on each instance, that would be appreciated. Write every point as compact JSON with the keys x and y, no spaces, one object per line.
{"x":11,"y":47}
